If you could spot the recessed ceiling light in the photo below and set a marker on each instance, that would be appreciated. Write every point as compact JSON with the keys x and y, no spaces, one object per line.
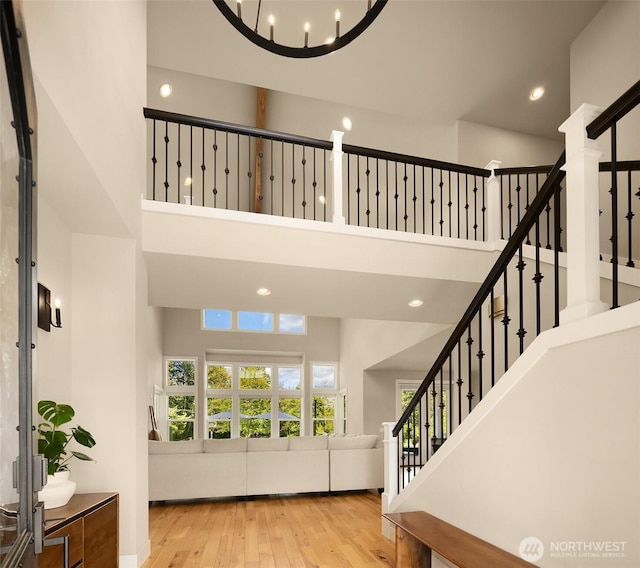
{"x":415,"y":303}
{"x":536,"y":93}
{"x":346,"y":123}
{"x":165,"y":90}
{"x":263,"y":291}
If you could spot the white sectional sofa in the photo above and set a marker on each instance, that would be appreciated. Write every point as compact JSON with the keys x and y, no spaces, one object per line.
{"x":263,"y":466}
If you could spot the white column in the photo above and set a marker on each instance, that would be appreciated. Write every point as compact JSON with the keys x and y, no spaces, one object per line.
{"x":336,"y":158}
{"x":390,"y":476}
{"x":493,"y":203}
{"x":583,"y":236}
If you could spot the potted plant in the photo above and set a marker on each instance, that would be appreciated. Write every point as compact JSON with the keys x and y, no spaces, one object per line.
{"x":52,"y":443}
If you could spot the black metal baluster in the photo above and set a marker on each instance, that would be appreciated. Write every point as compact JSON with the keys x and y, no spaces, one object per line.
{"x":378,"y":195}
{"x":179,"y":163}
{"x":304,"y":182}
{"x":433,"y":202}
{"x":441,"y":206}
{"x":480,"y":354}
{"x":400,"y":457}
{"x":475,"y":207}
{"x":510,"y":208}
{"x":282,"y":176}
{"x":449,"y":204}
{"x":441,"y":405}
{"x":215,"y":168}
{"x":493,"y":338}
{"x":466,"y":205}
{"x":293,"y":180}
{"x":404,"y":179}
{"x":458,"y":200}
{"x":449,"y":398}
{"x":469,"y":376}
{"x":348,"y":189}
{"x":434,"y":394}
{"x":190,"y":165}
{"x":556,"y":255}
{"x":527,"y":178}
{"x":271,"y":176}
{"x":537,"y":278}
{"x":154,"y":161}
{"x":387,"y":191}
{"x":502,"y":211}
{"x":521,"y":330}
{"x":203,"y":167}
{"x":484,"y":207}
{"x":166,"y":162}
{"x":629,"y":217}
{"x":424,"y":399}
{"x":505,"y":322}
{"x":358,"y":189}
{"x":396,"y":195}
{"x":614,"y":213}
{"x":459,"y":382}
{"x":226,"y":169}
{"x":424,"y":211}
{"x":518,"y":190}
{"x":314,"y":185}
{"x":419,"y":440}
{"x":250,"y":192}
{"x":368,"y":211}
{"x":415,"y":198}
{"x":547,"y":210}
{"x":238,"y":171}
{"x":324,"y":188}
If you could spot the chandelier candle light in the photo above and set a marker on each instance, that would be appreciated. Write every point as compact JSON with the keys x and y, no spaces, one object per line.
{"x":371,"y":11}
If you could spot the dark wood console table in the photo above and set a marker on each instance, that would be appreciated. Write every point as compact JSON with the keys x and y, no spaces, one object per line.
{"x":91,"y":521}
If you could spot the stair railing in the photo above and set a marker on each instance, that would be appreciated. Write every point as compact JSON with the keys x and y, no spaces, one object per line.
{"x":621,"y":173}
{"x":436,"y":409}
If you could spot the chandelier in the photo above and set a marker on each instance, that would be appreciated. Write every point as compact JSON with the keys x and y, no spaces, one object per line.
{"x":232,"y":11}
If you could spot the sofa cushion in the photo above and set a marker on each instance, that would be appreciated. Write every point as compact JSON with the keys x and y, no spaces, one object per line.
{"x":267,"y":444}
{"x":182,"y":447}
{"x":360,"y":442}
{"x":308,"y":442}
{"x":228,"y":445}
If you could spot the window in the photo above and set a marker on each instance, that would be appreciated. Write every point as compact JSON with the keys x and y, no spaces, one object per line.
{"x":249,"y":399}
{"x":255,"y":321}
{"x":180,"y":384}
{"x":324,"y":397}
{"x":262,"y":322}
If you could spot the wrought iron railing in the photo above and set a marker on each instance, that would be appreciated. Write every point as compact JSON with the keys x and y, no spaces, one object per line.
{"x":492,"y":333}
{"x":463,"y":364}
{"x":393,"y":191}
{"x":217,"y":164}
{"x":222,"y":165}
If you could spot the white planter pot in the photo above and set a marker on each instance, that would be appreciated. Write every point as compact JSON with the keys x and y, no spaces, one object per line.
{"x":58,"y":490}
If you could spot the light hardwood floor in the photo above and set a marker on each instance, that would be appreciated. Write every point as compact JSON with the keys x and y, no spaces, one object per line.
{"x":319,"y":531}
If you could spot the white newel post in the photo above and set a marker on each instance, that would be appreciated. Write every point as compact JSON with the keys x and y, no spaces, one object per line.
{"x":583,"y":258}
{"x":493,"y":203}
{"x":390,"y":476}
{"x":336,"y":158}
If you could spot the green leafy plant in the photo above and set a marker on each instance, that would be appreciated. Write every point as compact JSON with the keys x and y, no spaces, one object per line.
{"x":52,"y":441}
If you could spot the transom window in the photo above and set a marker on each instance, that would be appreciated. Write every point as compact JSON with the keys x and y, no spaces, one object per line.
{"x":265,"y":322}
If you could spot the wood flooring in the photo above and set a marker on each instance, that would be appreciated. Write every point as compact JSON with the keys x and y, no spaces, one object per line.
{"x":296,"y":531}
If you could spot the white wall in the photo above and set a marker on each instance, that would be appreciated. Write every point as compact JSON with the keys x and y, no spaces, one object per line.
{"x":91,"y":85}
{"x":605,"y":62}
{"x":552,"y":450}
{"x":478,"y":144}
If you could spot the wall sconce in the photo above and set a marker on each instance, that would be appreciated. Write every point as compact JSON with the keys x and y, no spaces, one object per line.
{"x":44,"y":309}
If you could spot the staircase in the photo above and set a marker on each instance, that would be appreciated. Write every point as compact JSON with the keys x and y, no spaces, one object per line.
{"x":533,"y":438}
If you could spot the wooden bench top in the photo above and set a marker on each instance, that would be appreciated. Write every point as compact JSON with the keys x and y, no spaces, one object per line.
{"x":455,"y":545}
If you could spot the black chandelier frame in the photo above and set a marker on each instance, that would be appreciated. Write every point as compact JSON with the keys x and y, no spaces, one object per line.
{"x":302,"y":51}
